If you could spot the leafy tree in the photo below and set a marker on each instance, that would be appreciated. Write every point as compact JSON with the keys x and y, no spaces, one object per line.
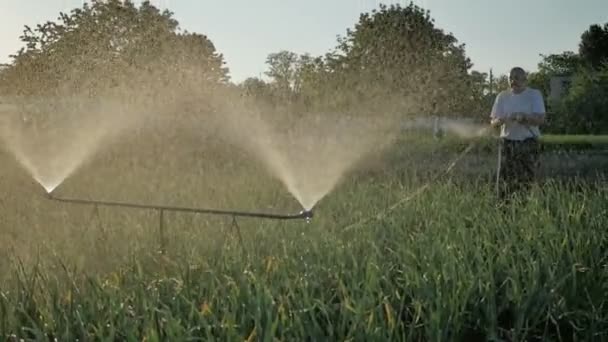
{"x":283,"y":70}
{"x":584,"y":110}
{"x":3,"y":74}
{"x":593,"y":47}
{"x":500,"y":83}
{"x":309,"y":69}
{"x":479,"y":83}
{"x":541,"y":81}
{"x":295,"y":77}
{"x":566,"y":63}
{"x":253,"y":86}
{"x":482,"y":94}
{"x":108,"y":44}
{"x":394,"y":58}
{"x":397,"y":54}
{"x":294,"y":80}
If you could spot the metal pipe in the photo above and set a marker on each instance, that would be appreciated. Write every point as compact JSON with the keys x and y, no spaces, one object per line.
{"x":305,"y":214}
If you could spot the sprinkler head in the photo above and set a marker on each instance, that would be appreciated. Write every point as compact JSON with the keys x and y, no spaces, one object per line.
{"x":307,"y":214}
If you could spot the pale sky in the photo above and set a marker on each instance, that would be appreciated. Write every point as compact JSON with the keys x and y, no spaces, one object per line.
{"x":498,"y":33}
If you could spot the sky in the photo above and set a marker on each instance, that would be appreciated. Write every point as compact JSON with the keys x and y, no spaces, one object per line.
{"x":497,"y":34}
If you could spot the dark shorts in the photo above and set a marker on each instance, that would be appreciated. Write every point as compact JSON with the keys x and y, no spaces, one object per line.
{"x":519,"y":164}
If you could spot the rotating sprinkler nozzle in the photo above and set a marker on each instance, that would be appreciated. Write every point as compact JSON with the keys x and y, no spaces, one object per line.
{"x":307,"y":214}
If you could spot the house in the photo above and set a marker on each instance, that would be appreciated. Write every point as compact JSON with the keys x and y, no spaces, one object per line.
{"x":558,"y":87}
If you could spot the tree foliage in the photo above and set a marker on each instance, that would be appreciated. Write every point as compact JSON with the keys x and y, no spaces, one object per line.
{"x":561,"y":64}
{"x":584,"y":110}
{"x":398,"y":53}
{"x":593,"y":47}
{"x":393,"y":59}
{"x":112,"y":43}
{"x":284,"y":68}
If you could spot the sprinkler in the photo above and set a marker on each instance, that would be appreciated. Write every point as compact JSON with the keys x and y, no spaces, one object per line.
{"x":304,"y":214}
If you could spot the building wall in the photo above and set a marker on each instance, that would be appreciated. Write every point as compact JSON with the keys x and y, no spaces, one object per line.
{"x":559,"y":86}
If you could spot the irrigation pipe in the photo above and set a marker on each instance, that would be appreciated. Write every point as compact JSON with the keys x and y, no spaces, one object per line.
{"x":498,"y":167}
{"x":302,"y":215}
{"x":306,"y":214}
{"x":420,"y":190}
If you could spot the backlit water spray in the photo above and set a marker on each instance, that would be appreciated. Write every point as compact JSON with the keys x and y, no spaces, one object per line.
{"x":53,"y":139}
{"x":459,"y":127}
{"x":310,"y":155}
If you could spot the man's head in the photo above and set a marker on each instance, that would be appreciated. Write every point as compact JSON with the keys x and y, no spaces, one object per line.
{"x":517,"y":79}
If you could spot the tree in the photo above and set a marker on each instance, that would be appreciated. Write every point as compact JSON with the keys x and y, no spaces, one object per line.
{"x":479,"y":83}
{"x":3,"y":75}
{"x":397,"y":54}
{"x":584,"y":110}
{"x":501,"y":83}
{"x":109,"y":44}
{"x":482,"y":94}
{"x":253,"y":86}
{"x":311,"y":81}
{"x":593,"y":47}
{"x":283,"y":70}
{"x":562,"y":64}
{"x":567,"y":63}
{"x":295,"y":79}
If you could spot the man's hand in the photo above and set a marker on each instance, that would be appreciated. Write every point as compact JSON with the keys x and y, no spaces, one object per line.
{"x":520,"y":118}
{"x":496,"y":122}
{"x":528,"y":119}
{"x":536,"y":119}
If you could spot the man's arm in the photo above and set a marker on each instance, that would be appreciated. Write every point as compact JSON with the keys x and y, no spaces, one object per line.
{"x":529,"y":119}
{"x":497,"y":116}
{"x":497,"y":122}
{"x":537,"y":117}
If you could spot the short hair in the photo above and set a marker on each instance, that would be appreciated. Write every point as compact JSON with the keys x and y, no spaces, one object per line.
{"x":518,"y":70}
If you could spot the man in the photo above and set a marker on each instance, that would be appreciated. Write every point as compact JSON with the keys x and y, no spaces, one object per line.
{"x":518,"y":112}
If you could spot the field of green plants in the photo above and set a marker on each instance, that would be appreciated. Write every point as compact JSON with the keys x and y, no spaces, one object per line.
{"x":118,"y":102}
{"x":448,"y":264}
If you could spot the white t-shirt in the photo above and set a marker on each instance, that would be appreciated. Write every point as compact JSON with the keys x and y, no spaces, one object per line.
{"x":507,"y":102}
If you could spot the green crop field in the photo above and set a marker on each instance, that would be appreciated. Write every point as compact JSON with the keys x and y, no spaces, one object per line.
{"x":163,"y":184}
{"x":448,"y":264}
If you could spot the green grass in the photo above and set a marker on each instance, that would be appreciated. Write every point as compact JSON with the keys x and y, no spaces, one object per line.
{"x":575,"y":142}
{"x":550,"y":143}
{"x":447,"y":265}
{"x":576,"y":139}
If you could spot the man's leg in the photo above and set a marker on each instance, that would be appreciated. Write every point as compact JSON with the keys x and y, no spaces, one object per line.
{"x":516,"y":169}
{"x":530,"y":162}
{"x":507,"y":171}
{"x":519,"y":171}
{"x":526,"y":162}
